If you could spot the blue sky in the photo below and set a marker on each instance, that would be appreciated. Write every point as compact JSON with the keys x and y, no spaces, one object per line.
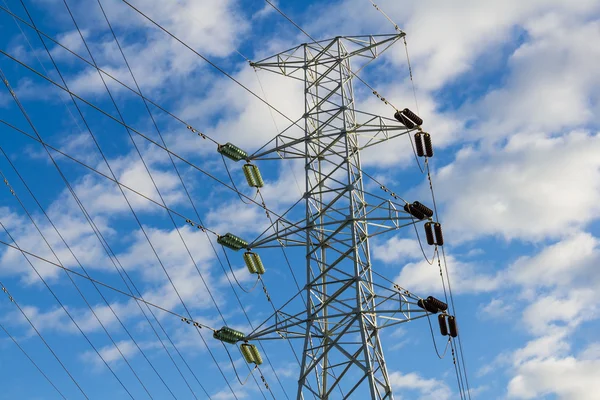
{"x":507,"y":89}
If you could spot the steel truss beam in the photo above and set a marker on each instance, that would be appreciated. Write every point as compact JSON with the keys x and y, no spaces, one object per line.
{"x":340,"y":324}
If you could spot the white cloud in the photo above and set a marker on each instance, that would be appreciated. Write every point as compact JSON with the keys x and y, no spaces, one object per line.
{"x":561,"y":263}
{"x":551,"y":86}
{"x":532,"y":188}
{"x":567,"y":378}
{"x":396,"y":249}
{"x":424,"y":279}
{"x":111,"y":354}
{"x":430,"y":389}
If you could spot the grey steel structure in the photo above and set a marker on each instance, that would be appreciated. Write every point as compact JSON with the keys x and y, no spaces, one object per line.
{"x":345,"y":306}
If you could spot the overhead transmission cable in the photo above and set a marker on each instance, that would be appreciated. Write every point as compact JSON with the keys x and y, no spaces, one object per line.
{"x":468,"y":390}
{"x":133,"y":130}
{"x":73,"y":272}
{"x":81,"y":266}
{"x":174,"y":166}
{"x":106,"y":73}
{"x":11,"y":337}
{"x":12,"y":299}
{"x":18,"y":103}
{"x":74,"y":195}
{"x":25,"y":253}
{"x":123,"y":194}
{"x":432,"y":193}
{"x":110,"y":116}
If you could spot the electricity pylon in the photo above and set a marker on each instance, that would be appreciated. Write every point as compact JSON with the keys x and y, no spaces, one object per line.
{"x":344,"y":304}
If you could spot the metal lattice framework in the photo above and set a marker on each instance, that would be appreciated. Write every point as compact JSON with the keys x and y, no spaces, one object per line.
{"x":345,"y":306}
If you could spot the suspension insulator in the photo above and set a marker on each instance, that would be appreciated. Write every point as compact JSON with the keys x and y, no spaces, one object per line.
{"x":254,"y":263}
{"x":440,"y":305}
{"x":413,"y":117}
{"x":232,"y":152}
{"x":428,"y":146}
{"x":443,"y":325}
{"x":228,"y":335}
{"x":403,"y":120}
{"x":231,"y":241}
{"x":256,"y":355}
{"x":415,"y":212}
{"x":453,"y":328}
{"x":249,"y":260}
{"x":260,"y":267}
{"x":429,"y":234}
{"x":245,"y":349}
{"x":424,"y":209}
{"x":439,"y":238}
{"x":427,"y":305}
{"x":419,"y":144}
{"x":253,"y":176}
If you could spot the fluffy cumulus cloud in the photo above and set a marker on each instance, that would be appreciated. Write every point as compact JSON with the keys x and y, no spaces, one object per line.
{"x":535,"y":186}
{"x":426,"y":389}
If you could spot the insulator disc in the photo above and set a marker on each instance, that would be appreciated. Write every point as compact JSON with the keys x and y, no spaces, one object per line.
{"x":443,"y":325}
{"x":428,"y":145}
{"x":439,"y":238}
{"x":428,"y":212}
{"x":429,"y":234}
{"x":415,"y":212}
{"x":419,"y":144}
{"x":427,"y":305}
{"x":453,"y":328}
{"x":440,"y":305}
{"x":413,"y":117}
{"x":403,"y":120}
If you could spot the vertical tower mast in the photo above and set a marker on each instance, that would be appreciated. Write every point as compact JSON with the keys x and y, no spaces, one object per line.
{"x":342,"y":348}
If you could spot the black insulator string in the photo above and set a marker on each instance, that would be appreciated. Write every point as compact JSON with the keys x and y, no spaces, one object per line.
{"x":421,"y":244}
{"x":412,"y":145}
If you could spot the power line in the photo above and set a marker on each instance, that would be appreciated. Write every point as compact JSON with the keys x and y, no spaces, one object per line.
{"x":141,"y":157}
{"x":76,"y":259}
{"x":194,"y":322}
{"x":133,"y":130}
{"x":18,"y":103}
{"x":25,"y":253}
{"x":209,"y":62}
{"x":12,"y":299}
{"x":32,"y":361}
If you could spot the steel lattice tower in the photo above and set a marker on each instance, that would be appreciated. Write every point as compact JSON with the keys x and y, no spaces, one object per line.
{"x":342,"y":347}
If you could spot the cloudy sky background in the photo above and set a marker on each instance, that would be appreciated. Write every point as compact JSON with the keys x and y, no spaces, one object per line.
{"x":507,"y":89}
